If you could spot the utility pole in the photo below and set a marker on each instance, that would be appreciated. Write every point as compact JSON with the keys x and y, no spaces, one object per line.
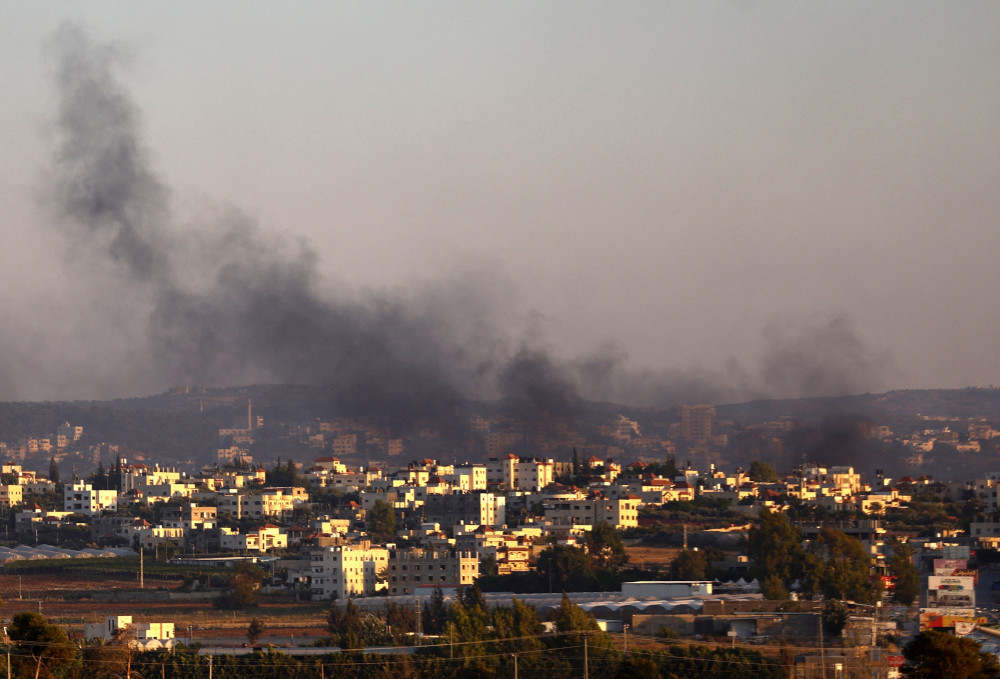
{"x":420,"y":621}
{"x":586,"y":669}
{"x":514,"y":656}
{"x":142,"y":574}
{"x":625,"y":636}
{"x":209,"y":667}
{"x":822,"y":653}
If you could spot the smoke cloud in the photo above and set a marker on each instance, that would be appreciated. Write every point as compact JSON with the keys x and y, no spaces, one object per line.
{"x":820,"y":357}
{"x":215,"y":300}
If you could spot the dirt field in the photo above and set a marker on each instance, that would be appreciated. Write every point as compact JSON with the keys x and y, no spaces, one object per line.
{"x":65,"y":600}
{"x":651,"y":557}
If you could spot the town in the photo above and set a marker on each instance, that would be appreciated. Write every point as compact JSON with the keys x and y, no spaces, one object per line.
{"x":817,"y":568}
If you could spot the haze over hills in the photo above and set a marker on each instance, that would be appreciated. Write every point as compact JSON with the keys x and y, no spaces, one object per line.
{"x":869,"y":431}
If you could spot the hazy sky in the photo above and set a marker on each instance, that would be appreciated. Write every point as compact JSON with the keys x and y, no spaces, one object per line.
{"x":693,"y":184}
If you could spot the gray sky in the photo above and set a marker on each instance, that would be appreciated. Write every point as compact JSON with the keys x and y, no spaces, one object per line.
{"x":693,"y":183}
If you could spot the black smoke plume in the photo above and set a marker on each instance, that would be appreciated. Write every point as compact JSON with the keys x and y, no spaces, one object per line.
{"x":217,"y":301}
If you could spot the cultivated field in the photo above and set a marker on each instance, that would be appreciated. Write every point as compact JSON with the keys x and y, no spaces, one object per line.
{"x":70,"y":601}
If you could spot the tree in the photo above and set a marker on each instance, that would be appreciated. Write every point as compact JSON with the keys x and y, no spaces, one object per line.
{"x":112,"y":659}
{"x":840,"y":568}
{"x":488,"y":565}
{"x":381,"y":520}
{"x":834,"y":616}
{"x":53,"y":471}
{"x":472,"y":597}
{"x":670,"y":470}
{"x":774,"y":546}
{"x":435,"y":613}
{"x":577,"y":625}
{"x":638,"y":668}
{"x":467,"y":624}
{"x":346,"y":625}
{"x":605,"y":547}
{"x":933,"y":655}
{"x":400,"y":619}
{"x":244,"y":587}
{"x":762,"y":472}
{"x":42,"y":648}
{"x":254,"y":630}
{"x":564,"y":566}
{"x":571,"y":618}
{"x":689,"y":565}
{"x":282,"y":475}
{"x":907,"y":584}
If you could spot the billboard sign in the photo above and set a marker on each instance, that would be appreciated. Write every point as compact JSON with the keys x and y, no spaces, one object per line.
{"x":949,"y":566}
{"x":931,"y":619}
{"x":955,"y":591}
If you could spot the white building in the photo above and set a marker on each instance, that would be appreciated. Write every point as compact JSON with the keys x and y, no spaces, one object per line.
{"x":81,"y":498}
{"x":347,"y":571}
{"x":145,"y":635}
{"x":620,"y":512}
{"x":264,"y":539}
{"x":517,"y":474}
{"x":469,"y":477}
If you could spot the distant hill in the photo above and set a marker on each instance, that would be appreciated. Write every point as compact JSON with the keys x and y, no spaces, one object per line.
{"x":888,"y":407}
{"x":182,"y":424}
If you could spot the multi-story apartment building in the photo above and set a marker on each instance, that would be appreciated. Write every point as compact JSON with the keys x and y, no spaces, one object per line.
{"x":697,"y":422}
{"x":11,"y":495}
{"x":345,"y":445}
{"x":190,"y":516}
{"x":478,"y":509}
{"x":618,"y":512}
{"x":331,"y":464}
{"x":264,"y":539}
{"x":141,"y":477}
{"x":413,"y":568}
{"x":152,"y":536}
{"x":516,"y":474}
{"x":270,"y":502}
{"x":81,"y":498}
{"x":346,"y":570}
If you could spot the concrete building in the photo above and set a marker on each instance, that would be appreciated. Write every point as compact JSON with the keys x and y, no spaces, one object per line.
{"x":11,"y":495}
{"x":469,"y":478}
{"x":618,"y":512}
{"x":514,"y":473}
{"x":346,"y":571}
{"x":264,"y":539}
{"x":697,"y":422}
{"x":153,"y":536}
{"x":147,"y":636}
{"x":81,"y":498}
{"x":478,"y":509}
{"x":413,"y":568}
{"x":271,"y":502}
